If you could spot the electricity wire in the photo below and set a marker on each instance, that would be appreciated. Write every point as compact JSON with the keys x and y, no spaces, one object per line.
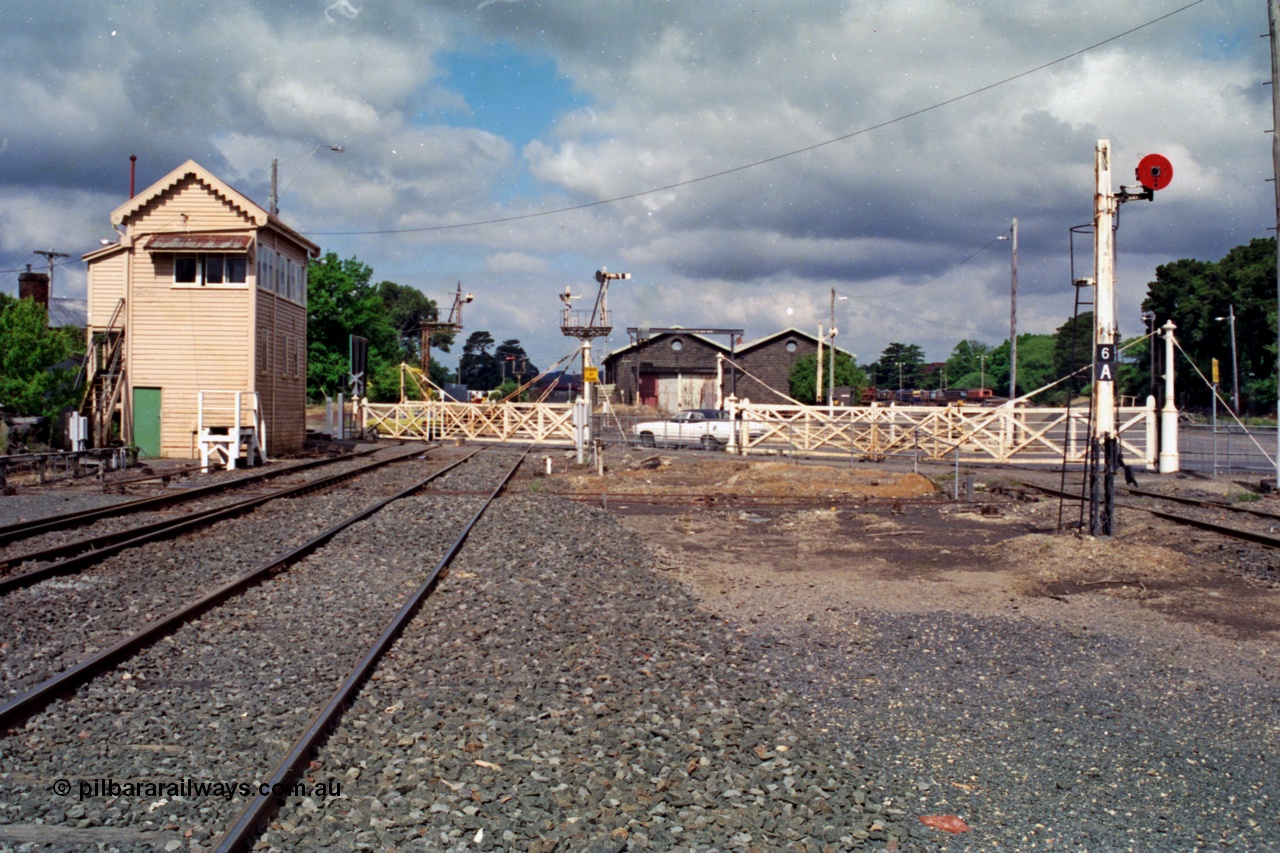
{"x":776,"y":157}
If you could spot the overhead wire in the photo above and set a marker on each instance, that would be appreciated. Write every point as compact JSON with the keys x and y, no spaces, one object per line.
{"x":776,"y":157}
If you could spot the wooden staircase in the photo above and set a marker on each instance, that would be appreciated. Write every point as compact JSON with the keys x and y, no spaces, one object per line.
{"x":103,"y":376}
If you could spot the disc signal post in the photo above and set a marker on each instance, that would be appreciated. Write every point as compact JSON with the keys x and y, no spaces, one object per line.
{"x":1154,"y":173}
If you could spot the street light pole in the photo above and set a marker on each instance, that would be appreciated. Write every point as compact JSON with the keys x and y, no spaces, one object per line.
{"x":831,"y":378}
{"x":1235,"y":365}
{"x":274,"y":204}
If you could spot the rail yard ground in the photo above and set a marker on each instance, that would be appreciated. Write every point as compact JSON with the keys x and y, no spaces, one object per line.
{"x":1056,"y":691}
{"x":698,"y":652}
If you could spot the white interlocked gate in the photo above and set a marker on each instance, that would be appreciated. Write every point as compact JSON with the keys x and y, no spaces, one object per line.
{"x":1024,"y":435}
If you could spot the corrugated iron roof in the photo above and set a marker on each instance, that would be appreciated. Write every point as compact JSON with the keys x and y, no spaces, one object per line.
{"x":199,"y":243}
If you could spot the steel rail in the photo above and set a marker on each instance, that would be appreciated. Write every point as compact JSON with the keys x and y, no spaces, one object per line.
{"x":32,"y":700}
{"x":258,"y":810}
{"x":1247,"y":510}
{"x":1212,"y":527}
{"x":22,"y":530}
{"x":98,"y":548}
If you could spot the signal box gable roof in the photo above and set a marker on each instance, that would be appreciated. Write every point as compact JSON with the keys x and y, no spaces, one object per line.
{"x":233,"y":198}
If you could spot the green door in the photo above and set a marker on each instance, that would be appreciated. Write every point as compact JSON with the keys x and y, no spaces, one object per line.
{"x":146,"y":421}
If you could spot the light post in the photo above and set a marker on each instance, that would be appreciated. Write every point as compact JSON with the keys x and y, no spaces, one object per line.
{"x":982,"y":371}
{"x":1012,"y":236}
{"x":899,"y":382}
{"x":1235,"y":367}
{"x":274,"y":204}
{"x":831,"y":379}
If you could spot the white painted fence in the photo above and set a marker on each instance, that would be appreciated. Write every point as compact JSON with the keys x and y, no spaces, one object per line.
{"x":1024,"y":435}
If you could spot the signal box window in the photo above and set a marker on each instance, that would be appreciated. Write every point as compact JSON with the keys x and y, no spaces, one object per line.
{"x":199,"y":270}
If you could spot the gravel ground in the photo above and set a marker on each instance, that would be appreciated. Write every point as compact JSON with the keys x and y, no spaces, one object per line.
{"x":36,"y":504}
{"x":558,"y":694}
{"x":222,"y":697}
{"x":51,"y":625}
{"x":567,"y":689}
{"x":1049,"y":737}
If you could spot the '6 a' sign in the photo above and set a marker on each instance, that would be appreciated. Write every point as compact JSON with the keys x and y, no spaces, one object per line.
{"x":1104,"y":363}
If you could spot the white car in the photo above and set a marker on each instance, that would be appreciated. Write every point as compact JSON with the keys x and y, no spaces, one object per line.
{"x":709,"y":428}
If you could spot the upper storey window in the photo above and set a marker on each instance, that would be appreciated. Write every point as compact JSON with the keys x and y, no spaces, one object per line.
{"x":199,"y":270}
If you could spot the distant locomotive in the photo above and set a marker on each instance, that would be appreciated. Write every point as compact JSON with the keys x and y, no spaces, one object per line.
{"x":922,"y":397}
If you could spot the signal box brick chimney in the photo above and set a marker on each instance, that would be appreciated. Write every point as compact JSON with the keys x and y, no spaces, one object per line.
{"x":34,"y":285}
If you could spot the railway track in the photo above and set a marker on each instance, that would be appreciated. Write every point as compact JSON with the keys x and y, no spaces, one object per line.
{"x":1259,"y":527}
{"x":21,"y":530}
{"x":280,"y":649}
{"x":71,"y":555}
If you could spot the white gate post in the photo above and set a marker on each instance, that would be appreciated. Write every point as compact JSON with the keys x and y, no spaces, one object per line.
{"x":1169,"y":461}
{"x":581,"y":417}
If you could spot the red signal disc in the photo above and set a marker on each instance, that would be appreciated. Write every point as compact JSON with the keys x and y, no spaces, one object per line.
{"x":1155,"y":172}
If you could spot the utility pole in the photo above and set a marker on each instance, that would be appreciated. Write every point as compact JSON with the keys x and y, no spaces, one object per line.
{"x":1273,"y":12}
{"x":50,"y":255}
{"x":1013,"y":310}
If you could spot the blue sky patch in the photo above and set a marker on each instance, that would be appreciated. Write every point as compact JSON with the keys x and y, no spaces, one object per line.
{"x":511,"y":94}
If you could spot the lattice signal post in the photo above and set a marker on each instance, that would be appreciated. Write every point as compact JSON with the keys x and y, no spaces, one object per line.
{"x":584,"y":325}
{"x":1154,"y":173}
{"x":453,"y":326}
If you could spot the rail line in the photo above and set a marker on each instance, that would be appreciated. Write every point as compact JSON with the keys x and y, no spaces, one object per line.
{"x":48,"y":524}
{"x":84,"y":552}
{"x":32,"y":700}
{"x":241,"y":830}
{"x":259,"y":810}
{"x":1237,"y":533}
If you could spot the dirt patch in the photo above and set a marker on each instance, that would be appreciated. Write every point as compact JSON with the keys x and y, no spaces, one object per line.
{"x":657,"y":474}
{"x":875,"y":537}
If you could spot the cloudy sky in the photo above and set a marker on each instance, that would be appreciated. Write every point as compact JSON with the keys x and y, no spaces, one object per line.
{"x":740,"y":160}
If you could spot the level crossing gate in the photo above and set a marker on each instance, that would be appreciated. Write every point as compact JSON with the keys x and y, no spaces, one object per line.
{"x":1017,"y":434}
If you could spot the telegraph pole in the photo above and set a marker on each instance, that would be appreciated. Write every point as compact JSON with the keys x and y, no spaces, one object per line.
{"x":1273,"y":13}
{"x":50,"y":255}
{"x":1013,"y":311}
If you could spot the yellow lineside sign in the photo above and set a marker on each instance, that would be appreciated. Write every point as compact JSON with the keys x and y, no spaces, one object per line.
{"x":590,"y":374}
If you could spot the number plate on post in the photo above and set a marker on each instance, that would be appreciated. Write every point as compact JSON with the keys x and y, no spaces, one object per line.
{"x":1104,"y":363}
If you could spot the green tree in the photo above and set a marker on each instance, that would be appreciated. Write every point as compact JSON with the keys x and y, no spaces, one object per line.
{"x":29,"y":349}
{"x":1194,"y":294}
{"x":407,"y":310}
{"x":513,"y":361}
{"x":478,"y":367}
{"x":1035,"y":368}
{"x":887,"y":372}
{"x":804,"y":376}
{"x":968,"y":366}
{"x":341,"y":302}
